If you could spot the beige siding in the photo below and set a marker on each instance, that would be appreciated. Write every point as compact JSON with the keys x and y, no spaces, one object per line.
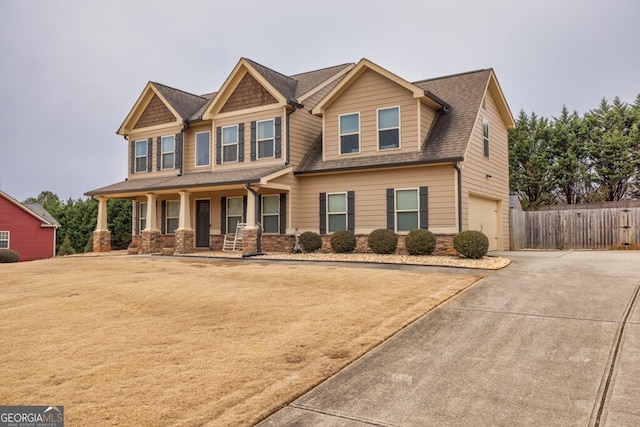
{"x":370,"y":196}
{"x":189,"y":148}
{"x":247,"y":118}
{"x":305,"y":128}
{"x":427,"y":115}
{"x":357,"y":98}
{"x":477,"y":167}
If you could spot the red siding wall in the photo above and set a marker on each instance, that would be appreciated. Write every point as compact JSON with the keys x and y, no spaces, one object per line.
{"x":26,"y":236}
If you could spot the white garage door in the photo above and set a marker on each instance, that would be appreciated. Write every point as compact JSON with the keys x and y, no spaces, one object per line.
{"x":483,"y":216}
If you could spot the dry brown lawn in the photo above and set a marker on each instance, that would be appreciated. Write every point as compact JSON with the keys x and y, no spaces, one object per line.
{"x":153,"y":341}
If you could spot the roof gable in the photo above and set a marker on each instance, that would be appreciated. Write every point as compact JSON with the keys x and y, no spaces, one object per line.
{"x":358,"y":70}
{"x":248,"y":94}
{"x":34,"y":209}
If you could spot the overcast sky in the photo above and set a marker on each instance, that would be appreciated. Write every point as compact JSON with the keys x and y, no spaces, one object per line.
{"x":70,"y":71}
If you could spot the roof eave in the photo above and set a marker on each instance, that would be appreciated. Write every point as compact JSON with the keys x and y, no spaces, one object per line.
{"x":446,"y":160}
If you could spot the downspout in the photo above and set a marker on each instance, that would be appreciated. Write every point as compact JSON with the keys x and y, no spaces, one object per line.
{"x":295,"y":106}
{"x":185,"y":125}
{"x":257,"y":215}
{"x":457,"y":167}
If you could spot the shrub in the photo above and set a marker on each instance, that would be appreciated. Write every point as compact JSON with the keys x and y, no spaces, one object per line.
{"x":66,"y":248}
{"x":343,"y":242}
{"x":420,"y":242}
{"x":310,"y":241}
{"x":8,"y":255}
{"x":471,"y":244}
{"x":382,"y":241}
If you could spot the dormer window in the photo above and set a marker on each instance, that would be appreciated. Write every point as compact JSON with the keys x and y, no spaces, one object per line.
{"x":388,"y":128}
{"x":141,"y":156}
{"x":230,"y":144}
{"x":265,"y":139}
{"x":350,"y":133}
{"x":168,"y":147}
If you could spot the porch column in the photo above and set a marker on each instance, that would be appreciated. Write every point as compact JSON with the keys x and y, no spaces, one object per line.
{"x":102,"y":235}
{"x":250,"y":233}
{"x":184,"y":234}
{"x":151,"y":234}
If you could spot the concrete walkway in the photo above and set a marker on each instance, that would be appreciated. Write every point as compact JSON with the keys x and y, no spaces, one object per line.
{"x":552,"y":340}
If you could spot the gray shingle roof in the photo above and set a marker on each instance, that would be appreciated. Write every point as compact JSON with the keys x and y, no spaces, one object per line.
{"x":185,"y":103}
{"x":42,"y":213}
{"x":201,"y":179}
{"x":447,"y":141}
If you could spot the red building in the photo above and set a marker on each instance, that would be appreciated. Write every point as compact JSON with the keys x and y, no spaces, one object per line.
{"x":27,"y":229}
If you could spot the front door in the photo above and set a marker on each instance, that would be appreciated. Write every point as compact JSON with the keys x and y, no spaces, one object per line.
{"x":203,"y":216}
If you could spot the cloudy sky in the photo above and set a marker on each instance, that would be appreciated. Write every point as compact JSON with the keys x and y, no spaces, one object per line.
{"x":70,"y":70}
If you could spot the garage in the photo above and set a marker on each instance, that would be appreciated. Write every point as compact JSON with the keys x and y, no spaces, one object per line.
{"x":483,"y":216}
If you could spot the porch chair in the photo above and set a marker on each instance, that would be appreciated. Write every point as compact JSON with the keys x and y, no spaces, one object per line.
{"x":233,"y":242}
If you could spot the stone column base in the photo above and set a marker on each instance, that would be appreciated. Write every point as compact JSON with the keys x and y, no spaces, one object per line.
{"x":102,"y":241}
{"x":185,"y":241}
{"x":150,"y":241}
{"x":249,"y":241}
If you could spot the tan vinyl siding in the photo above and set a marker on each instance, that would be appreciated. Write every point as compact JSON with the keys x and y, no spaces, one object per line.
{"x":247,"y":118}
{"x":357,"y":98}
{"x":427,"y":115}
{"x":304,"y":129}
{"x":370,"y":196}
{"x":189,"y":148}
{"x":477,"y":166}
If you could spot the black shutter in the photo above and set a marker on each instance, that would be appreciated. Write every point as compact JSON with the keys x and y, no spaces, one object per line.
{"x":283,"y":213}
{"x":218,"y":146}
{"x":223,"y":215}
{"x":164,"y":216}
{"x":137,"y":217}
{"x":133,"y":157}
{"x":391,"y":209}
{"x":178,"y":162}
{"x":253,"y":141}
{"x":158,"y":153}
{"x":149,"y":154}
{"x":278,"y":137}
{"x":241,"y":142}
{"x":424,"y":207}
{"x":351,"y":218}
{"x":323,"y":213}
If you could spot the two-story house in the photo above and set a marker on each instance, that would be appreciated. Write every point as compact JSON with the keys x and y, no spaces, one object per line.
{"x":352,"y":146}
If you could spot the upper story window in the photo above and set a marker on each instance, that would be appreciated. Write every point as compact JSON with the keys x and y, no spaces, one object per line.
{"x":141,"y":148}
{"x":203,"y":145}
{"x":336,"y":212}
{"x":172,"y":216}
{"x":406,"y":209}
{"x":230,"y":144}
{"x":265,"y":139}
{"x":4,"y":239}
{"x":271,"y":214}
{"x":350,"y":133}
{"x":168,"y":150}
{"x":388,"y":128}
{"x":485,"y":137}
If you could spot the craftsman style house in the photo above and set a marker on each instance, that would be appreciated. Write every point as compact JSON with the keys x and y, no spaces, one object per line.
{"x":352,"y":146}
{"x":27,"y":228}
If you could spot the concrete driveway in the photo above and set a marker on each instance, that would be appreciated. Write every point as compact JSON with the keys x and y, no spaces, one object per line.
{"x":551,"y":340}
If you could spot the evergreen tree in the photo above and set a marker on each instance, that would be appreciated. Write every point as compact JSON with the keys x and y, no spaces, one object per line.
{"x":119,"y":222}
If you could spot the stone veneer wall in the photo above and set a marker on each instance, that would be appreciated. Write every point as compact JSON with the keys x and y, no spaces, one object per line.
{"x":102,"y":241}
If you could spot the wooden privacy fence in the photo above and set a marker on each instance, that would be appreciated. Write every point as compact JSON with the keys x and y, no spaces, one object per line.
{"x":613,"y":225}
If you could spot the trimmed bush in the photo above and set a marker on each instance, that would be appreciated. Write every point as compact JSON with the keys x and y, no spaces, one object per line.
{"x":382,"y":241}
{"x":420,"y":242}
{"x":8,"y":255}
{"x":343,"y":242}
{"x":310,"y":241}
{"x":471,"y":244}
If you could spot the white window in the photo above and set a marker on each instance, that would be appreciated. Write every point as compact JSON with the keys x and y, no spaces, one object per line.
{"x":203,"y":149}
{"x":234,"y":213}
{"x":271,"y":214}
{"x":388,"y":128}
{"x":230,"y":144}
{"x":406,"y":209}
{"x":172,"y":217}
{"x":143,"y":216}
{"x":4,"y":240}
{"x":168,"y":147}
{"x":336,"y":212}
{"x":141,"y":156}
{"x":485,"y":136}
{"x":350,"y":133}
{"x":265,"y":139}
